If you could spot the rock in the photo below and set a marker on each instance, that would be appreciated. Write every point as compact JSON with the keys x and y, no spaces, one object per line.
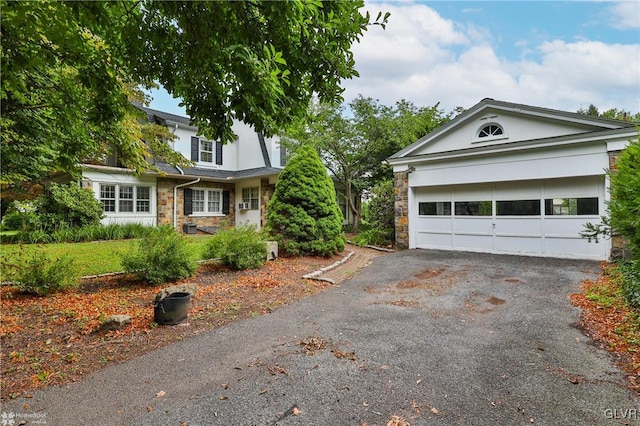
{"x":115,"y":322}
{"x":181,"y":288}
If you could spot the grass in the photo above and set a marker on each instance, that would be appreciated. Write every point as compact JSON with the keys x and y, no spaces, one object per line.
{"x":93,"y":258}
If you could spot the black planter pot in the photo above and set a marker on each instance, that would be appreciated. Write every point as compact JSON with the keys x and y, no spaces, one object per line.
{"x":173,"y":309}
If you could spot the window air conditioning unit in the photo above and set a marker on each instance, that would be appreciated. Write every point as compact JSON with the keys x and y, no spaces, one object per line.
{"x":243,"y":206}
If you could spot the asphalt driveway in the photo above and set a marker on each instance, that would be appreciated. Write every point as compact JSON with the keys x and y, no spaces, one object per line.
{"x":430,"y":337}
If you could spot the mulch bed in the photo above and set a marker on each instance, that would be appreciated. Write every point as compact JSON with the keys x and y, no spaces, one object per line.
{"x":54,"y":340}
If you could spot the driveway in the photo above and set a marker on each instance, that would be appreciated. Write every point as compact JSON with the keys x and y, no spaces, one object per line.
{"x":430,"y":337}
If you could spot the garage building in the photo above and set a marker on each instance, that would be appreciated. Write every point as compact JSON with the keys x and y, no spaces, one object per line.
{"x":508,"y":178}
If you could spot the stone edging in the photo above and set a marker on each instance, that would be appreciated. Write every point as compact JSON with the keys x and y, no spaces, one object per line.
{"x":315,"y":275}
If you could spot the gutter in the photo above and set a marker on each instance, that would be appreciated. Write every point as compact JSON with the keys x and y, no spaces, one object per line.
{"x":175,"y":200}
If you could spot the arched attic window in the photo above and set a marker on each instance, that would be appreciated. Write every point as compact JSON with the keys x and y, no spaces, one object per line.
{"x":490,"y":130}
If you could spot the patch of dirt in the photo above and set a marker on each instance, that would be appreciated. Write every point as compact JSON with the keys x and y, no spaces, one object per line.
{"x":429,"y":273}
{"x":53,"y":340}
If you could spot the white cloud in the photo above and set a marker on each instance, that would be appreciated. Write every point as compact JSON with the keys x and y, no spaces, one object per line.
{"x":625,"y":15}
{"x":426,"y":59}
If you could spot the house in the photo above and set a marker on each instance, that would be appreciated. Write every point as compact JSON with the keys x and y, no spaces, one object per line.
{"x":508,"y":178}
{"x":229,"y":184}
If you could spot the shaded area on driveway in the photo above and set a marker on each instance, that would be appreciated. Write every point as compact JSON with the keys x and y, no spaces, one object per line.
{"x":432,"y":337}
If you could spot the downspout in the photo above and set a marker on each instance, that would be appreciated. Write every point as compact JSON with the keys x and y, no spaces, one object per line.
{"x":175,"y":200}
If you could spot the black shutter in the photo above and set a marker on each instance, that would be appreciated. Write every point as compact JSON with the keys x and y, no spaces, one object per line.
{"x":195,"y":148}
{"x":188,"y":202}
{"x":219,"y":153}
{"x":225,"y":202}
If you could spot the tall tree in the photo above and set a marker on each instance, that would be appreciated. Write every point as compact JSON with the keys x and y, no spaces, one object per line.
{"x":69,"y":70}
{"x":354,"y":143}
{"x":614,"y":113}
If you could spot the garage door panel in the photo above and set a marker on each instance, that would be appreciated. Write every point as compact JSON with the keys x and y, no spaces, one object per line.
{"x":518,"y":226}
{"x":473,"y":242}
{"x":518,"y":244}
{"x":473,"y":225}
{"x":434,"y":240}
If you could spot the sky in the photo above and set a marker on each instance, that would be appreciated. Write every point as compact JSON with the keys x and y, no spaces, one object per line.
{"x":560,"y":55}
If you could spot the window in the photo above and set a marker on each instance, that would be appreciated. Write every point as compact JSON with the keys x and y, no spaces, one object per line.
{"x":143,"y":199}
{"x":438,"y":208}
{"x":198,"y":200}
{"x":571,"y":206}
{"x":518,"y":208}
{"x":206,"y":201}
{"x":203,"y":151}
{"x":125,"y":198}
{"x":490,"y":130}
{"x":213,"y":201}
{"x":108,"y":197}
{"x":251,"y":196}
{"x":473,"y":208}
{"x":206,"y":151}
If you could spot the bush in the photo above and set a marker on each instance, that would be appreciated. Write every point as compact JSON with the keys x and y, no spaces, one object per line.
{"x":631,"y":282}
{"x":239,"y":248}
{"x":303,"y":215}
{"x":625,"y":197}
{"x":161,"y":256}
{"x":68,"y":206}
{"x":20,"y":216}
{"x":372,"y":237}
{"x":379,"y":217}
{"x":42,"y":275}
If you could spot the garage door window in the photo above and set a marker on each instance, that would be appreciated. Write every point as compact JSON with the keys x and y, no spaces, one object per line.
{"x":437,"y":208}
{"x":571,"y":206}
{"x":518,"y":208}
{"x":473,"y":208}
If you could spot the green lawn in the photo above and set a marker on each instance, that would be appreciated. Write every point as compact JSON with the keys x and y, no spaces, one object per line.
{"x":98,"y":257}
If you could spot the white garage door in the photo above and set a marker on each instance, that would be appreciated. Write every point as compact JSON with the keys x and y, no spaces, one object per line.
{"x":541,"y":218}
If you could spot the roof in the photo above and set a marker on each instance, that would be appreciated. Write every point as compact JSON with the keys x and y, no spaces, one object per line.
{"x":216,"y":174}
{"x":161,"y":117}
{"x":521,"y":109}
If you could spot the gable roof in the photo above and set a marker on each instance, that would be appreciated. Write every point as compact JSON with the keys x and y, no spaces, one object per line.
{"x":589,"y":124}
{"x":164,"y":118}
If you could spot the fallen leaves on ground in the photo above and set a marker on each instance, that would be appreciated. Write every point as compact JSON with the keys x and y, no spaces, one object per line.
{"x":610,"y":321}
{"x":53,"y":340}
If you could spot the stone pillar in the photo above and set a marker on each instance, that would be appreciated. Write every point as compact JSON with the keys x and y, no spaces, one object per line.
{"x":401,"y":208}
{"x":267,"y":190}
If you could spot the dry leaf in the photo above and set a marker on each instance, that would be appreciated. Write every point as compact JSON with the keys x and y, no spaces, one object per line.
{"x":160,"y":394}
{"x":434,"y":410}
{"x":296,"y":412}
{"x":149,"y":408}
{"x":224,"y":385}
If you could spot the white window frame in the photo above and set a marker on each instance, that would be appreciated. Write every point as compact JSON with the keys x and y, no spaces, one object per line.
{"x":117,"y":200}
{"x":251,"y":196}
{"x":210,"y":152}
{"x":207,"y":198}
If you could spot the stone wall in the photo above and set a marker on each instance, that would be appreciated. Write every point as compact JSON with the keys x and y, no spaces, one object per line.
{"x":401,"y":208}
{"x":165,"y":204}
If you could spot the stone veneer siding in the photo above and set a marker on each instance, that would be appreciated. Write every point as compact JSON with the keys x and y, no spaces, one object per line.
{"x":401,"y":208}
{"x":267,"y":190}
{"x":165,"y":204}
